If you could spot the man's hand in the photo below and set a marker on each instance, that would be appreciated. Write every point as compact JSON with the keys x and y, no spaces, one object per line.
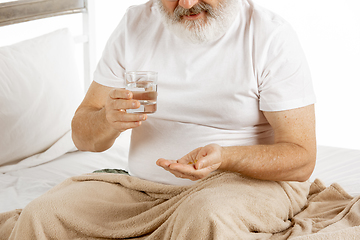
{"x":102,"y":116}
{"x":117,"y":102}
{"x":196,"y":165}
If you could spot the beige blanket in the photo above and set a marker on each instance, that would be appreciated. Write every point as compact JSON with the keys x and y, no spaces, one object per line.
{"x":106,"y":206}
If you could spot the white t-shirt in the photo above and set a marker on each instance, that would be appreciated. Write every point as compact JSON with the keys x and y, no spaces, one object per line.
{"x":207,"y":93}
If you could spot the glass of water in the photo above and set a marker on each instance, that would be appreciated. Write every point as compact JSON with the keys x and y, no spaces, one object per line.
{"x":143,"y":85}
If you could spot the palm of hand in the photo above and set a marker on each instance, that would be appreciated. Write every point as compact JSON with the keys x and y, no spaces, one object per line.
{"x":196,"y":165}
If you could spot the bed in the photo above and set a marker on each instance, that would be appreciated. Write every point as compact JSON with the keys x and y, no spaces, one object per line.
{"x":44,"y":83}
{"x":48,"y":80}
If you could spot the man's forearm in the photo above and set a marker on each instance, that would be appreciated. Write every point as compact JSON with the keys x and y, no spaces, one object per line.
{"x":91,"y":131}
{"x":278,"y":162}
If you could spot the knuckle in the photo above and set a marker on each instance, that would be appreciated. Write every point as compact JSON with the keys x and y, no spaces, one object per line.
{"x":112,"y":93}
{"x":109,"y":116}
{"x":119,"y":93}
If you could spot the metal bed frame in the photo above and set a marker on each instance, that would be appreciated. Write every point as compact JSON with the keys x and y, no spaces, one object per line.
{"x":19,"y":11}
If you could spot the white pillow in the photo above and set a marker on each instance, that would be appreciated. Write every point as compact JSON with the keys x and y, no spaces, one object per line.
{"x":40,"y":90}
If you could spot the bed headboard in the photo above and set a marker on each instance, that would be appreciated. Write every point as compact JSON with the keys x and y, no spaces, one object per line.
{"x":18,"y":11}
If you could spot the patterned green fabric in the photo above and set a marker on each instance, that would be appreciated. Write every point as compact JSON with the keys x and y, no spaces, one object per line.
{"x":117,"y":171}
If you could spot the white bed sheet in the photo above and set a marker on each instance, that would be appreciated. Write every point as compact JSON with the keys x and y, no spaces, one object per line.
{"x":19,"y":187}
{"x":338,"y":165}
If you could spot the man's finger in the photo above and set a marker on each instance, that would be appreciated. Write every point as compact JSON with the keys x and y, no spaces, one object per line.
{"x":118,"y":93}
{"x":164,"y":163}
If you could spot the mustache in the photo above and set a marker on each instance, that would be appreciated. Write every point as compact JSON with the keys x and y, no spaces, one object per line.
{"x":196,"y":9}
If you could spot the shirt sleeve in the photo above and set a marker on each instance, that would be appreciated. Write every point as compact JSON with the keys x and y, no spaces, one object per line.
{"x":111,"y":67}
{"x":284,"y":79}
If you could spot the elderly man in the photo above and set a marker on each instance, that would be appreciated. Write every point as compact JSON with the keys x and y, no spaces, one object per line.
{"x":234,"y":94}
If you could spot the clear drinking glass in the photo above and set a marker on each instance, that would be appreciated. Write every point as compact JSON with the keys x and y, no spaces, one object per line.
{"x":143,"y":85}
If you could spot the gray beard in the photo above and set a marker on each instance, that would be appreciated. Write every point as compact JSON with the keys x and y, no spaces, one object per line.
{"x":217,"y":22}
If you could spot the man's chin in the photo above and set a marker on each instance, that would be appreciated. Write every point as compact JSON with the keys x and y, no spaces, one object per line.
{"x":204,"y":28}
{"x":196,"y":32}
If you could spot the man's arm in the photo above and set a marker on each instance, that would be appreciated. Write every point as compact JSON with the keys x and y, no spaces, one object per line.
{"x":291,"y":158}
{"x":101,"y":117}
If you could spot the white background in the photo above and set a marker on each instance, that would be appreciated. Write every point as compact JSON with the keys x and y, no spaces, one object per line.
{"x":329,"y":31}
